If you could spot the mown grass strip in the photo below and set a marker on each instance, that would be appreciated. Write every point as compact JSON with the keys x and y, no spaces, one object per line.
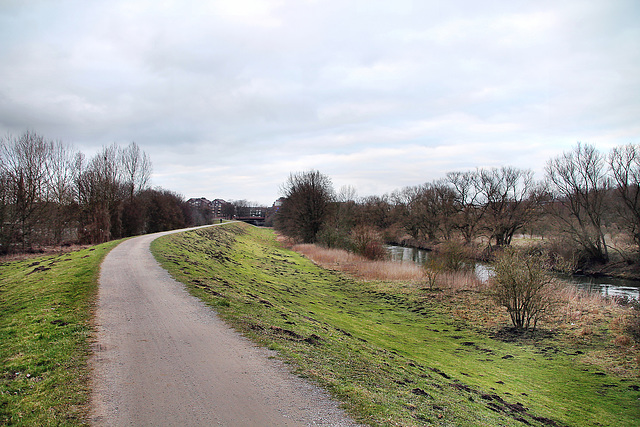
{"x":391,"y":352}
{"x":46,"y":306}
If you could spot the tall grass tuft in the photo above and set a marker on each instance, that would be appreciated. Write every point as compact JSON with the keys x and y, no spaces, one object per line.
{"x":461,"y":280}
{"x":575,"y":304}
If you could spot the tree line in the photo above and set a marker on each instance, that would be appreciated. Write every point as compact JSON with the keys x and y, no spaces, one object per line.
{"x":52,"y":194}
{"x":586,"y":198}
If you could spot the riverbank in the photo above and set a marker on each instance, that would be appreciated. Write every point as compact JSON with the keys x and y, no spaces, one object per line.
{"x":402,"y":353}
{"x":619,"y":269}
{"x":621,"y":266}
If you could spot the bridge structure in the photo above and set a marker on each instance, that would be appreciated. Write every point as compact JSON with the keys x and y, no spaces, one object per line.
{"x":254,"y":220}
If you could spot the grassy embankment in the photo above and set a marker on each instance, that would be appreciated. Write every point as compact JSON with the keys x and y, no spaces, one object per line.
{"x":46,"y":306}
{"x":395,"y":353}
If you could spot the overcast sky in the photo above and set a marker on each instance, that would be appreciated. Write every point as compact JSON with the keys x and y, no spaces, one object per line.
{"x":228,"y":97}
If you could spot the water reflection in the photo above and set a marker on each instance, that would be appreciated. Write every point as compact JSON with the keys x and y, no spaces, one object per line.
{"x":401,"y":253}
{"x":605,"y":285}
{"x":483,"y":272}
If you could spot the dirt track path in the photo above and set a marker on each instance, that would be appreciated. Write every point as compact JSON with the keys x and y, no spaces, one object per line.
{"x":163,"y":358}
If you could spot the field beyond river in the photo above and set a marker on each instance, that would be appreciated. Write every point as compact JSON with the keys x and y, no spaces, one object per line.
{"x":398,"y":352}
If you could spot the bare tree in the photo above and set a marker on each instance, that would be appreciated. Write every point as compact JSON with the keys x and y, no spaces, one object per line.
{"x":347,"y":193}
{"x":228,"y":210}
{"x":307,"y":200}
{"x":241,"y":208}
{"x":135,"y":168}
{"x":24,"y":168}
{"x":100,"y":194}
{"x":345,"y":211}
{"x":469,"y":206}
{"x":625,"y":167}
{"x":445,"y":203}
{"x":409,"y":205}
{"x":511,"y":201}
{"x":60,"y":191}
{"x":579,"y":183}
{"x":135,"y":174}
{"x":426,"y":210}
{"x":376,"y":211}
{"x":5,"y":198}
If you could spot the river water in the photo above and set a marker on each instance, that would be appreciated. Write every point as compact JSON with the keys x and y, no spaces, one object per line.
{"x":607,"y":286}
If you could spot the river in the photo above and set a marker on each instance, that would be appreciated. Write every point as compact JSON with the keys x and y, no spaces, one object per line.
{"x":607,"y":286}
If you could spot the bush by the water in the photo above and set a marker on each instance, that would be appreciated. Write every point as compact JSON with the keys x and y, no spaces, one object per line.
{"x":522,"y":284}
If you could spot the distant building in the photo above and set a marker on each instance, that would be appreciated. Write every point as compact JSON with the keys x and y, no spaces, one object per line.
{"x":257,"y":211}
{"x":241,"y":211}
{"x":200,"y":203}
{"x":217,"y":207}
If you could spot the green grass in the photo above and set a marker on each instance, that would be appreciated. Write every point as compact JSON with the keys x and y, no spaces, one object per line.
{"x":46,"y":306}
{"x":391,"y":352}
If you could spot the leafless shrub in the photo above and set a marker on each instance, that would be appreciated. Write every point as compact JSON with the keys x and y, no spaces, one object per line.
{"x":433,"y":269}
{"x":522,"y":285}
{"x":367,"y":241}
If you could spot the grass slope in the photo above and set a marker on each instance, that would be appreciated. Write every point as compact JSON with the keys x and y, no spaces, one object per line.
{"x":392,"y":353}
{"x":46,"y":305}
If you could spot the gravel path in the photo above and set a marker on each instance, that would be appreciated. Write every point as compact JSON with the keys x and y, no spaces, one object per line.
{"x":162,"y":358}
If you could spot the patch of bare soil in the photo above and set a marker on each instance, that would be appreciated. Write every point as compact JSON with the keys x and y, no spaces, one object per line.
{"x":46,"y":250}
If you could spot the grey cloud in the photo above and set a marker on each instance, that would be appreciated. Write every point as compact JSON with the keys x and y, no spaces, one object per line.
{"x":229,"y":96}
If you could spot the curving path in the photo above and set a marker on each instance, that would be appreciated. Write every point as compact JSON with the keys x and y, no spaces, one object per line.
{"x":162,"y":358}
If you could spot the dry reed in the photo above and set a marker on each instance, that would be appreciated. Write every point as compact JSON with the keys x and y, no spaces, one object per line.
{"x":575,"y":305}
{"x":460,"y":280}
{"x":361,"y":267}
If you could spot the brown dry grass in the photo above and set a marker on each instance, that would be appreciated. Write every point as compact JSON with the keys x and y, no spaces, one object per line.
{"x":574,"y":305}
{"x":358,"y":266}
{"x":460,"y":281}
{"x":366,"y":269}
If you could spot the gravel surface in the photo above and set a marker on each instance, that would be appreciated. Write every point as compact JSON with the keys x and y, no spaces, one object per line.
{"x":163,"y":358}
